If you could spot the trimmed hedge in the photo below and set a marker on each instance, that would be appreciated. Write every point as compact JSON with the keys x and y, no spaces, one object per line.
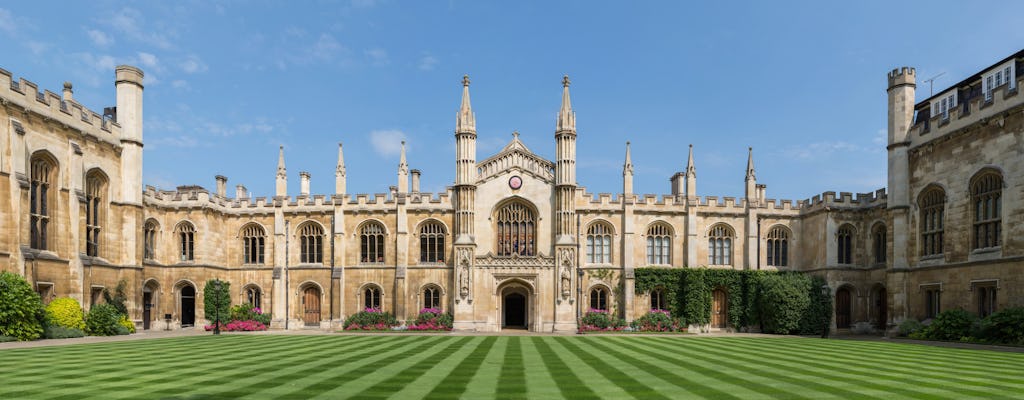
{"x":778,"y":302}
{"x":20,"y":308}
{"x":65,"y":312}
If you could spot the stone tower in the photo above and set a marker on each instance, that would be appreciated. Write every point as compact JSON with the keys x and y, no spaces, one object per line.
{"x":465,"y":198}
{"x":902,"y":84}
{"x":565,"y":212}
{"x":128,"y":82}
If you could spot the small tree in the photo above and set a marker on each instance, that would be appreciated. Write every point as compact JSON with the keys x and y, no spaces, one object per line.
{"x":20,"y":308}
{"x":214,"y":298}
{"x":118,"y":298}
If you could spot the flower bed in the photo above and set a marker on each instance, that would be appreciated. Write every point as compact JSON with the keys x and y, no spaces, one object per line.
{"x":601,"y":321}
{"x":432,"y":319}
{"x":240,"y":326}
{"x":658,"y":321}
{"x":370,"y":319}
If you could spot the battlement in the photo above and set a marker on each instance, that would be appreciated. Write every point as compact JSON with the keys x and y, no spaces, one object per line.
{"x":845,"y":200}
{"x":51,"y":106}
{"x":972,"y":107}
{"x":901,"y":76}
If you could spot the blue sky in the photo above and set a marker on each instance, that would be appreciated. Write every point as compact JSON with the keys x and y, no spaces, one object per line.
{"x":803,"y":83}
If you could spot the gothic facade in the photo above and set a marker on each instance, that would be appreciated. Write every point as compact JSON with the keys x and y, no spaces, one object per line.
{"x":515,"y":242}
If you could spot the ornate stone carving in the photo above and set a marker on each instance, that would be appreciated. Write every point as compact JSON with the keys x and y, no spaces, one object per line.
{"x":565,"y":258}
{"x":463,"y":272}
{"x":492,"y":261}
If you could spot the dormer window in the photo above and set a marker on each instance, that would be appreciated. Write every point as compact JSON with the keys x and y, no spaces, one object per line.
{"x":997,"y":77}
{"x":942,"y":105}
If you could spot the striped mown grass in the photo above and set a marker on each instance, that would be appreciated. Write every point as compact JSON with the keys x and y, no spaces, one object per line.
{"x":506,"y":367}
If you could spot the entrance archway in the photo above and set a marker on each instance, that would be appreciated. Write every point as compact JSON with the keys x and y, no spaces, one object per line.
{"x":516,"y":306}
{"x":311,"y":306}
{"x":149,"y":300}
{"x":188,"y":305}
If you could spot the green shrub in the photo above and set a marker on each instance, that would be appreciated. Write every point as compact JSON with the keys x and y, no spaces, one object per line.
{"x":783,"y":300}
{"x":104,"y":320}
{"x":65,"y":312}
{"x":371,"y":319}
{"x":60,"y":332}
{"x":212,"y":297}
{"x":1005,"y":326}
{"x":910,"y":326}
{"x":20,"y":308}
{"x":7,"y":339}
{"x":950,"y":325}
{"x":657,"y":321}
{"x":118,"y":298}
{"x":819,"y":313}
{"x":601,"y":320}
{"x":127,"y":324}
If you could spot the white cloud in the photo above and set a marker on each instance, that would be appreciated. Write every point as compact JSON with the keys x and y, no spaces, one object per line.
{"x":377,"y":56}
{"x":326,"y":47}
{"x":428,"y":62}
{"x":148,"y":60}
{"x":193,"y":65}
{"x":179,"y":84}
{"x":127,"y":21}
{"x":7,"y":23}
{"x":99,"y":38}
{"x":101,"y":62}
{"x":387,"y":142}
{"x":150,"y":79}
{"x":37,"y":48}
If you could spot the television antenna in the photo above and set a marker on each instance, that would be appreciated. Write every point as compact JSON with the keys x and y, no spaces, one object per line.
{"x":931,"y":81}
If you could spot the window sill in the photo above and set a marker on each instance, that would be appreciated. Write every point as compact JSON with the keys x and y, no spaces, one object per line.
{"x":934,"y":259}
{"x":430,"y":264}
{"x":603,"y":265}
{"x":987,"y":253}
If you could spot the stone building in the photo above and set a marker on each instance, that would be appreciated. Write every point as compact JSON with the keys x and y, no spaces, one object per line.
{"x":516,"y":242}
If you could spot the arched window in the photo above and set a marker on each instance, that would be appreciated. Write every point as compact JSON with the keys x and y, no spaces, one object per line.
{"x":371,"y":242}
{"x":253,"y":238}
{"x":432,"y":297}
{"x":95,"y":186}
{"x":371,"y":297}
{"x":311,"y":243}
{"x":149,"y":240}
{"x":844,"y":244}
{"x":599,"y":243}
{"x":186,"y":234}
{"x":986,"y":196}
{"x":658,"y":299}
{"x":879,"y":243}
{"x":659,"y":244}
{"x":932,"y":203}
{"x":432,"y":242}
{"x":43,"y":169}
{"x":599,"y":298}
{"x":720,"y":245}
{"x":516,"y":229}
{"x":778,"y":247}
{"x":253,"y":296}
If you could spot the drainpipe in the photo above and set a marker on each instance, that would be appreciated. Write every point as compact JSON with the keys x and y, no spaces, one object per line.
{"x":332,"y":268}
{"x":286,"y":295}
{"x":579,"y":279}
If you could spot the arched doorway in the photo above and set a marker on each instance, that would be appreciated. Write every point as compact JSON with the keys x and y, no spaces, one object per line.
{"x":719,"y":309}
{"x":879,"y":302}
{"x":188,"y":305}
{"x":149,"y":301}
{"x":515,"y":307}
{"x":843,"y":308}
{"x":311,"y":306}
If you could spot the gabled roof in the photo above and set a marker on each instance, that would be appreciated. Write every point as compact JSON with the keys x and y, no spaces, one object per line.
{"x":516,"y":156}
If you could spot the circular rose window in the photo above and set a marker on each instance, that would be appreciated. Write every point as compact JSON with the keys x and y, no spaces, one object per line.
{"x":515,"y":182}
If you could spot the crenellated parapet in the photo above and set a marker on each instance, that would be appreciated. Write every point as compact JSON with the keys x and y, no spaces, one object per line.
{"x":50,"y":106}
{"x":845,"y":200}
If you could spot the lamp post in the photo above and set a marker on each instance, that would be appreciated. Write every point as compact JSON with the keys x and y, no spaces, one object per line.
{"x":826,"y":293}
{"x":216,"y":305}
{"x":579,"y":295}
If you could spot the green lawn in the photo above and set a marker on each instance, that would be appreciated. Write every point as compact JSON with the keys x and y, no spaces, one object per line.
{"x":478,"y":367}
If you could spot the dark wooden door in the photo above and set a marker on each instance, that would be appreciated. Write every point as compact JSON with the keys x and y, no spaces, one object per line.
{"x":881,"y":309}
{"x":188,"y":306}
{"x":311,"y":306}
{"x":843,"y":308}
{"x":147,"y":309}
{"x":719,"y":309}
{"x":515,"y":311}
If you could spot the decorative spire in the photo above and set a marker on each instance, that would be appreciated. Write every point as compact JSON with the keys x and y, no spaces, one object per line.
{"x":403,"y":172}
{"x":566,"y":117}
{"x":403,"y":166}
{"x":339,"y":173}
{"x":690,"y":169}
{"x":750,"y":163}
{"x":465,"y":121}
{"x":281,"y":173}
{"x":628,"y":166}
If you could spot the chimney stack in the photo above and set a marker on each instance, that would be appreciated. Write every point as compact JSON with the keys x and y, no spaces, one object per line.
{"x":67,"y":92}
{"x":222,"y":186}
{"x":240,"y":192}
{"x":304,"y":183}
{"x":415,"y":180}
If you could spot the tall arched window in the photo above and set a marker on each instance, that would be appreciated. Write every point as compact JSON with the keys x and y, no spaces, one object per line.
{"x":371,"y":242}
{"x":371,"y":297}
{"x":253,"y":296}
{"x":432,"y":242}
{"x":599,"y":298}
{"x":253,"y":238}
{"x":879,"y":243}
{"x":149,"y":240}
{"x":311,"y":243}
{"x":778,"y":247}
{"x":844,"y":244}
{"x":659,"y":244}
{"x":95,"y":186}
{"x":720,"y":245}
{"x":658,"y":299}
{"x":186,"y":234}
{"x":43,"y":171}
{"x":432,"y":297}
{"x":599,"y":243}
{"x":516,"y":229}
{"x":932,"y":203}
{"x":986,"y":196}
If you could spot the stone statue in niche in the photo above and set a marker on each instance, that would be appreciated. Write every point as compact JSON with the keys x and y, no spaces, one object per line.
{"x":566,"y":273}
{"x":464,"y":273}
